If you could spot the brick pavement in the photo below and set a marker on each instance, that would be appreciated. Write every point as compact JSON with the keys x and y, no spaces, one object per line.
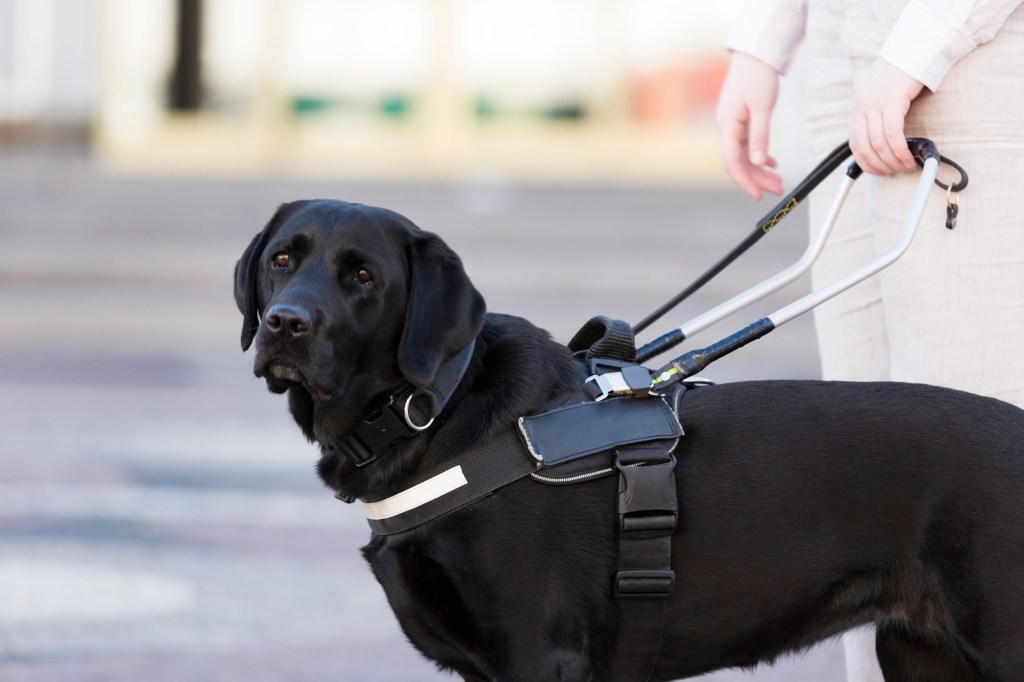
{"x":159,"y":516}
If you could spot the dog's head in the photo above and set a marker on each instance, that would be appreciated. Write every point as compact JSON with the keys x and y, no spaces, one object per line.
{"x":347,"y":302}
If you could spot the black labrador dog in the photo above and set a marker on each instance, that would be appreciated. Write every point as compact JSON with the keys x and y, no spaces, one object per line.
{"x":806,"y":508}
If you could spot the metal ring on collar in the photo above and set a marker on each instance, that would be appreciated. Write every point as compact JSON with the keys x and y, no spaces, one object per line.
{"x":408,"y":419}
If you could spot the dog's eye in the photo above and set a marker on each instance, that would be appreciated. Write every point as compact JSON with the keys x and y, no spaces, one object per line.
{"x":363,"y":276}
{"x":281,"y":259}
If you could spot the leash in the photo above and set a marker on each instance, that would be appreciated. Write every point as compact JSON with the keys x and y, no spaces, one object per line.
{"x":922,"y":150}
{"x":694,"y":361}
{"x":764,"y":226}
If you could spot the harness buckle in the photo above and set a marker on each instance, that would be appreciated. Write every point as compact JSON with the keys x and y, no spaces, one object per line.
{"x":629,"y":380}
{"x":648,"y":507}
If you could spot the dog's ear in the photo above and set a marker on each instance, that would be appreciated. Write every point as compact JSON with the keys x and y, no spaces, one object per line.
{"x":444,"y":311}
{"x":246,"y":270}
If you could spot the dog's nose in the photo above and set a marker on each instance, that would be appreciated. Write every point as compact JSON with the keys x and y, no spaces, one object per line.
{"x":288,"y":320}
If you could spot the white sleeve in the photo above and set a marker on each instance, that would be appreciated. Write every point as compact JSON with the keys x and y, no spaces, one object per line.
{"x":932,"y":35}
{"x":770,"y":30}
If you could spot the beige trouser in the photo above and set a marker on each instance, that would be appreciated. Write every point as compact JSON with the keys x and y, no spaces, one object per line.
{"x":951,"y":310}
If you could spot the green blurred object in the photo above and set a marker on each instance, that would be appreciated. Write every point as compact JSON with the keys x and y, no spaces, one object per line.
{"x":308,"y":105}
{"x":391,"y":106}
{"x":484,"y":108}
{"x":395,"y":106}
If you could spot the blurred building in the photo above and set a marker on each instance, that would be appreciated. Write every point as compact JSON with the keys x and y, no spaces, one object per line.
{"x":566,"y":90}
{"x":48,"y":54}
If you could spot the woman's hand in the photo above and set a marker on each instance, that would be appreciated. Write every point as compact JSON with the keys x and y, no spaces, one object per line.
{"x":880,"y":106}
{"x":743,"y":117}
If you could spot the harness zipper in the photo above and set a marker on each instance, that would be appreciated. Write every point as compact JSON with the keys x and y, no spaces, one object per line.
{"x":580,"y":477}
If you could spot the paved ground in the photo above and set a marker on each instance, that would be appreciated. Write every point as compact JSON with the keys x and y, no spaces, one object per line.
{"x":159,"y":515}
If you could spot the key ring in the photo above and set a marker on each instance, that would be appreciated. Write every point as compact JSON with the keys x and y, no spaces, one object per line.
{"x":952,"y":206}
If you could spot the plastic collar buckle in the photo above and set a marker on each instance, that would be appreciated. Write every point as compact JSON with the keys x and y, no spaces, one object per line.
{"x":378,"y":433}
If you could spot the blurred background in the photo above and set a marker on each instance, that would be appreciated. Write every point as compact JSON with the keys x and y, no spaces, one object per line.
{"x":159,"y":514}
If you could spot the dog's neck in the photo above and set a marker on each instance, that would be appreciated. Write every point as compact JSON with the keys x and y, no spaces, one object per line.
{"x":515,"y":369}
{"x":405,"y":413}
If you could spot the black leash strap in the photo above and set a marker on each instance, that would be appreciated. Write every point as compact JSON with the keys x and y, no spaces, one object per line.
{"x":763,"y":227}
{"x":648,"y":516}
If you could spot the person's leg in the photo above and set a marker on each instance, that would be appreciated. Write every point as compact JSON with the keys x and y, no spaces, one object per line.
{"x":852,"y":337}
{"x":951,"y":311}
{"x":955,"y":302}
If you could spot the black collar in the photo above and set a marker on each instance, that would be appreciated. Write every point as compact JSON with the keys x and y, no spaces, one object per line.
{"x":408,"y":411}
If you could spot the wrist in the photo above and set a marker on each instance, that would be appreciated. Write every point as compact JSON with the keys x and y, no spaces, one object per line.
{"x":751,"y":63}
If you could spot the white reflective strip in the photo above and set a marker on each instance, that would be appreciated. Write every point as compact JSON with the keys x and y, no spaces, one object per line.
{"x":416,"y":496}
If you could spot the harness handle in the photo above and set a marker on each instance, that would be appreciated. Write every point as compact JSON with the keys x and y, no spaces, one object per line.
{"x":690,"y":363}
{"x":922,"y":150}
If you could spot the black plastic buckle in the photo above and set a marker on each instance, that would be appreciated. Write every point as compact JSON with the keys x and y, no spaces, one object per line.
{"x":379,"y":432}
{"x":654,"y":584}
{"x":648,"y":506}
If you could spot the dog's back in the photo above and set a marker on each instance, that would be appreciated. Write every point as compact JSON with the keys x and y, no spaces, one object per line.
{"x":811,"y":507}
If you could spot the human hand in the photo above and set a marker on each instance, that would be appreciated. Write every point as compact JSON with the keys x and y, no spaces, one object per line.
{"x":880,"y":106}
{"x":743,"y":116}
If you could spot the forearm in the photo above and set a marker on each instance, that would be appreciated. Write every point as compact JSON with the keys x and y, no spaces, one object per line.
{"x":770,"y":30}
{"x":930,"y":36}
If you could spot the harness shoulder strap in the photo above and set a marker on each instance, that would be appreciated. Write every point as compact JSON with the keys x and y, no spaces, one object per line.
{"x":477,"y":473}
{"x":648,"y":516}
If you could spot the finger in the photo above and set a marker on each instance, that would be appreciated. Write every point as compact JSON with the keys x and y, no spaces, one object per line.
{"x":758,"y":137}
{"x":767,"y":180}
{"x":732,"y":142}
{"x":893,"y":121}
{"x":741,"y":173}
{"x":860,"y":144}
{"x":755,"y":180}
{"x":884,"y":158}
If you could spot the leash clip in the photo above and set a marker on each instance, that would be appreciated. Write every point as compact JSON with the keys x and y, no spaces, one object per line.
{"x":630,"y":380}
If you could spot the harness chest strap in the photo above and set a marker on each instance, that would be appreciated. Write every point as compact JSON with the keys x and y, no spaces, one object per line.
{"x":551,"y":438}
{"x":476,"y":473}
